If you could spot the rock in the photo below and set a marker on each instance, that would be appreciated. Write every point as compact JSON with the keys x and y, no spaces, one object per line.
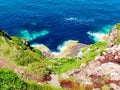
{"x":116,"y":57}
{"x":45,"y":50}
{"x":114,"y":86}
{"x":65,"y":76}
{"x":47,"y":78}
{"x":113,"y":36}
{"x":70,"y":49}
{"x":107,"y":65}
{"x":5,"y":34}
{"x":102,"y":58}
{"x":54,"y":80}
{"x":67,"y":49}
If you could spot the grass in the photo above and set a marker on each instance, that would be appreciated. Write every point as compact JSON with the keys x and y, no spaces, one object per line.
{"x":118,"y":34}
{"x":11,"y":81}
{"x":118,"y":26}
{"x":19,"y":53}
{"x":93,"y":50}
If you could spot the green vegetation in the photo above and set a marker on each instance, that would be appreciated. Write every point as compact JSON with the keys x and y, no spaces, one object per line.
{"x":20,"y":53}
{"x":94,"y":50}
{"x":62,"y":65}
{"x":118,"y":26}
{"x":11,"y":81}
{"x":118,"y":34}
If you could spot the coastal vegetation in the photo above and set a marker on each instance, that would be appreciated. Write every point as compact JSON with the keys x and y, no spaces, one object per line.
{"x":12,"y":81}
{"x":29,"y":70}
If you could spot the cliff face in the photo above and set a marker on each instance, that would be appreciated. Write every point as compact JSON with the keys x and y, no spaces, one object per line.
{"x":114,"y":36}
{"x":105,"y":68}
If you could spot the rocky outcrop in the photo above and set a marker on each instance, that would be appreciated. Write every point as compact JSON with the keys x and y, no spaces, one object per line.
{"x":114,"y":36}
{"x":104,"y":69}
{"x":44,"y":50}
{"x":70,"y":49}
{"x":5,"y":34}
{"x":76,"y":49}
{"x":67,"y":49}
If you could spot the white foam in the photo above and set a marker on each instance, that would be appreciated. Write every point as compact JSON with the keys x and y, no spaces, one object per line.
{"x":34,"y":35}
{"x":37,"y":45}
{"x":71,"y":19}
{"x":98,"y":36}
{"x":62,"y":47}
{"x":79,"y":20}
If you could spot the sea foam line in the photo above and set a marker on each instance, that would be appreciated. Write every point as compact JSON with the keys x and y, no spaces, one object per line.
{"x":102,"y":35}
{"x":97,"y":36}
{"x":62,"y":47}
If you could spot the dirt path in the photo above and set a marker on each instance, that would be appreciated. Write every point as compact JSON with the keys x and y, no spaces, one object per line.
{"x":6,"y":64}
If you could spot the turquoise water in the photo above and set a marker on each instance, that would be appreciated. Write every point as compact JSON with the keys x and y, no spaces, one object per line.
{"x":51,"y":22}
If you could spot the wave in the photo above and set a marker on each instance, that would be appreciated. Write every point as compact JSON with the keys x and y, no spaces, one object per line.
{"x":34,"y":35}
{"x":71,"y":19}
{"x":101,"y":35}
{"x":36,"y":45}
{"x":80,"y":20}
{"x":96,"y":37}
{"x":62,"y":47}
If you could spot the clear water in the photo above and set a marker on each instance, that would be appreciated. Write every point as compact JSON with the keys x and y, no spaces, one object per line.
{"x":51,"y":22}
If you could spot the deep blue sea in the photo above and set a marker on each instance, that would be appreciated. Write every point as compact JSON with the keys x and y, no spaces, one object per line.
{"x":51,"y":22}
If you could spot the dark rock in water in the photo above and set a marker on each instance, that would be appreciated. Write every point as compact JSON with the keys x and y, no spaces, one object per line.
{"x":3,"y":33}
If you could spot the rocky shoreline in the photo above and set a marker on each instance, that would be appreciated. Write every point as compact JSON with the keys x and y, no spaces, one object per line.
{"x":70,"y":49}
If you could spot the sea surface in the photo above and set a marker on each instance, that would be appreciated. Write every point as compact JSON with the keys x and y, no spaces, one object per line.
{"x":52,"y":22}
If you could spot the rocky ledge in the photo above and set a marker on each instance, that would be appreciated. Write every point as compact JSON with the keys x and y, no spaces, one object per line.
{"x":70,"y":49}
{"x":104,"y":69}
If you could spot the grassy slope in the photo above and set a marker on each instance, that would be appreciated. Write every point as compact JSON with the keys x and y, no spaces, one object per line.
{"x":21,"y":55}
{"x":11,"y":81}
{"x":118,"y":33}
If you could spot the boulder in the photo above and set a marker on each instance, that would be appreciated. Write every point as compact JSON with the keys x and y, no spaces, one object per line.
{"x":44,"y":50}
